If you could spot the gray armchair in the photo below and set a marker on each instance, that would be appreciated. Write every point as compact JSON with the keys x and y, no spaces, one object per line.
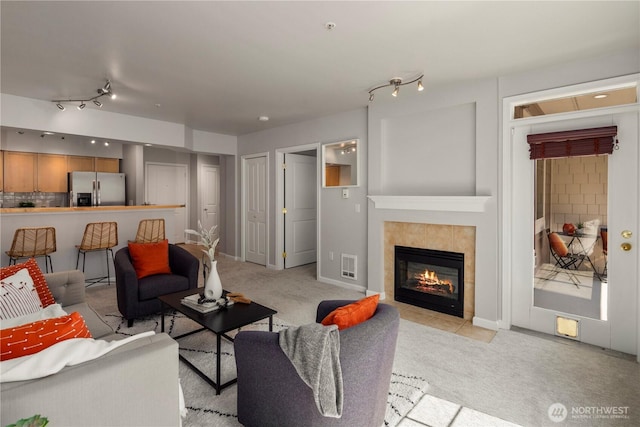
{"x":270,"y":392}
{"x":139,"y":297}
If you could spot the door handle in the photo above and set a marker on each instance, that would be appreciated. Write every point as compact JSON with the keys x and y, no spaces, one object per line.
{"x":626,"y":246}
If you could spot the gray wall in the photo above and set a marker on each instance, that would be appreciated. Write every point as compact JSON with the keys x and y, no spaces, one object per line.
{"x":342,"y":229}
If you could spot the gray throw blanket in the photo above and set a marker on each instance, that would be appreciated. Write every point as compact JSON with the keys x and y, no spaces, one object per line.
{"x":314,"y":350}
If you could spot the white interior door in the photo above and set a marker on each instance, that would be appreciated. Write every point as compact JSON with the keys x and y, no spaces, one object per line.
{"x":301,"y":210}
{"x":256,"y":210}
{"x":210,"y":198}
{"x":618,"y":329}
{"x":167,"y":184}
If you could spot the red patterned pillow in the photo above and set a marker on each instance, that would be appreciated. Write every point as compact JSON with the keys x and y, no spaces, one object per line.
{"x":46,"y":298}
{"x":150,"y":258}
{"x":34,"y":337}
{"x":18,"y":296}
{"x":352,"y":314}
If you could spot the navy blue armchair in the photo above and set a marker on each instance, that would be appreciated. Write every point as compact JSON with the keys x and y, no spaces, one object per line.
{"x":139,"y":297}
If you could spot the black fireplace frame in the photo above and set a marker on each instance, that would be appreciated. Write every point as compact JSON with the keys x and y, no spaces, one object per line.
{"x":430,"y":301}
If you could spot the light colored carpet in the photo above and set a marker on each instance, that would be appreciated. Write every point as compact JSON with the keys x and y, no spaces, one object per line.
{"x":515,"y":377}
{"x":207,"y":409}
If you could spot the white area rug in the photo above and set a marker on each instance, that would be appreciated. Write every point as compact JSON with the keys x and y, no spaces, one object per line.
{"x":575,"y":283}
{"x":207,"y":409}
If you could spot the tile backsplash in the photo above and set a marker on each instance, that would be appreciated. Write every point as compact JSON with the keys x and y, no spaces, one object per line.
{"x":12,"y":200}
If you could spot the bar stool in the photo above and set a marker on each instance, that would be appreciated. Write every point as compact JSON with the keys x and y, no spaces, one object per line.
{"x":98,"y":236}
{"x":33,"y":242}
{"x":150,"y":231}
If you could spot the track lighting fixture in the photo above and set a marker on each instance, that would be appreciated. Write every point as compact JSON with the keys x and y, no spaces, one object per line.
{"x":104,"y":90}
{"x":396,"y":82}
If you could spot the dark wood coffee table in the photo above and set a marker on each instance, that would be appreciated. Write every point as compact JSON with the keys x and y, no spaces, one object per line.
{"x":219,"y":322}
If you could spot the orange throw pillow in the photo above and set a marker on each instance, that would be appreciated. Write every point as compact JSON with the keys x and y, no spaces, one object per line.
{"x":558,"y":244}
{"x":352,"y":314}
{"x":33,"y":337}
{"x":46,"y":298}
{"x":150,"y":258}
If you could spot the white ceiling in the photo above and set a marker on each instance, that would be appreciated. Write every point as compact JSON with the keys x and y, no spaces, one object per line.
{"x":218,"y":66}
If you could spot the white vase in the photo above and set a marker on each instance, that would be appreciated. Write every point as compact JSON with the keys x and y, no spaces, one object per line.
{"x":213,"y":286}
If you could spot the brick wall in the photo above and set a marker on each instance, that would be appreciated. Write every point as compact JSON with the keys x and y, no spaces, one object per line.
{"x":578,"y":190}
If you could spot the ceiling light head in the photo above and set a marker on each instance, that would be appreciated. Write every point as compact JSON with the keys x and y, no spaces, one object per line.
{"x":106,"y":143}
{"x":98,"y":103}
{"x":420,"y":87}
{"x":60,"y":106}
{"x":105,"y":89}
{"x":113,"y":95}
{"x":601,"y":96}
{"x":82,"y":105}
{"x":395,"y":91}
{"x":371,"y":96}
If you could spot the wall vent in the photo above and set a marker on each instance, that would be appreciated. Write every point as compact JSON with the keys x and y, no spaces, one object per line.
{"x":349,"y":266}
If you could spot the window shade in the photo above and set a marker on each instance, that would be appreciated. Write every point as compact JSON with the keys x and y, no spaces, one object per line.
{"x":572,"y":143}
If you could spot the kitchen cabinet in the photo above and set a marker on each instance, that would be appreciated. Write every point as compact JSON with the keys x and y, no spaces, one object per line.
{"x":81,"y":164}
{"x":52,"y":173}
{"x":92,"y":164}
{"x":19,"y":171}
{"x":29,"y":172}
{"x":104,"y":164}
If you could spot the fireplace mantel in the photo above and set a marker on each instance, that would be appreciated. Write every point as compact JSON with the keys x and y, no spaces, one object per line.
{"x":431,"y":203}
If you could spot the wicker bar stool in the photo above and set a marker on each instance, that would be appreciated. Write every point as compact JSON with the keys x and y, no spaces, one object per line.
{"x":33,"y":242}
{"x":150,"y":231}
{"x":98,"y":236}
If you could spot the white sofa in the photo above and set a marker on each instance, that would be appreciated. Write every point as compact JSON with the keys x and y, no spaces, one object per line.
{"x":134,"y":385}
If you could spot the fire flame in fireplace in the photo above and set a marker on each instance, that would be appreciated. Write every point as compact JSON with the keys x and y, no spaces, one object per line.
{"x":428,"y":281}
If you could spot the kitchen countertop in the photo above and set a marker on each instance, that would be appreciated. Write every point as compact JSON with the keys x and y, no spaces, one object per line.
{"x":84,"y":209}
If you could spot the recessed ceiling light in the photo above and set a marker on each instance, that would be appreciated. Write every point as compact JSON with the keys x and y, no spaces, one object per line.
{"x":93,"y":141}
{"x":263,"y":118}
{"x":147,"y":145}
{"x":106,"y":143}
{"x":158,"y":105}
{"x":48,"y":133}
{"x":330,"y":25}
{"x":600,"y":96}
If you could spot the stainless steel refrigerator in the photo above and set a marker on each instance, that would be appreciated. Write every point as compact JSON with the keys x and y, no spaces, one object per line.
{"x":96,"y":189}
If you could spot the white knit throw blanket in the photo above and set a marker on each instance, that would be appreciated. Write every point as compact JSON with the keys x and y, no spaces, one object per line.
{"x":314,"y":350}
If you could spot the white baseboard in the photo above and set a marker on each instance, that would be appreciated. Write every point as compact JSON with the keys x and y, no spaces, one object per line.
{"x":351,"y":286}
{"x":383,"y":295}
{"x":484,"y":323}
{"x":273,"y":267}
